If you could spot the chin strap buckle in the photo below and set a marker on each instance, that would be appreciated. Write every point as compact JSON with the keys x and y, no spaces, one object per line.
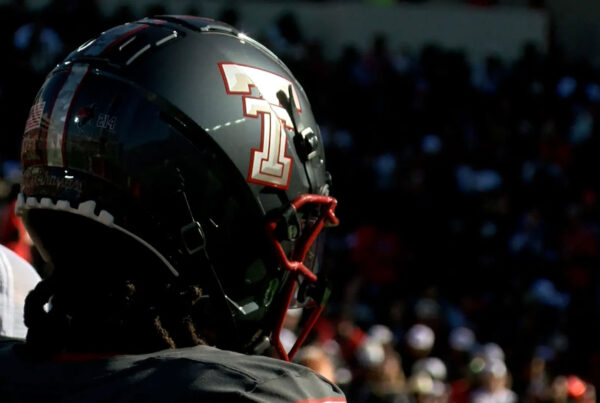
{"x":193,"y":237}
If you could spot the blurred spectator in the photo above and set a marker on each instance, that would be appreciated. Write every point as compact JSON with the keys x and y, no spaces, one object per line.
{"x":462,"y":339}
{"x":315,"y":358}
{"x":12,"y":231}
{"x":424,"y":388}
{"x":285,"y":38}
{"x":383,"y":378}
{"x":39,"y":44}
{"x":418,"y":344}
{"x":462,"y":343}
{"x":571,"y":389}
{"x":432,"y":366}
{"x":494,"y":387}
{"x":420,"y":340}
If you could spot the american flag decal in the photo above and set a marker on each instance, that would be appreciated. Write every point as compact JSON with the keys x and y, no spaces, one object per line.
{"x":35,"y":117}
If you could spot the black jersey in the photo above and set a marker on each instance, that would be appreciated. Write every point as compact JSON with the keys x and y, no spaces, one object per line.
{"x":196,"y":374}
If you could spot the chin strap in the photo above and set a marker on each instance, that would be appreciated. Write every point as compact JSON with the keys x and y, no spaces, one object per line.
{"x":194,"y":241}
{"x":295,"y":264}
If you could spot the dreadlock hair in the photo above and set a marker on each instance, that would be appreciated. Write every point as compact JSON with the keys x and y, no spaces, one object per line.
{"x":108,"y":294}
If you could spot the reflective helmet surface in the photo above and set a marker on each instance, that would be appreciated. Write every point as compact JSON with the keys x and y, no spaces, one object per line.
{"x":197,"y":143}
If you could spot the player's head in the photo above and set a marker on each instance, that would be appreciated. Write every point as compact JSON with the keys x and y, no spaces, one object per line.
{"x":176,"y":157}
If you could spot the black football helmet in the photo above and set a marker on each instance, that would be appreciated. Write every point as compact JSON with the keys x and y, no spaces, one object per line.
{"x":196,"y":143}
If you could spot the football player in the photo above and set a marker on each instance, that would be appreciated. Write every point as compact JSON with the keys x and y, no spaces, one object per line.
{"x":174,"y":179}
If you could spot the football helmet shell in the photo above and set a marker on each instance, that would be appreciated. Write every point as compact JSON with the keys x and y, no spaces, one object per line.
{"x":198,"y":143}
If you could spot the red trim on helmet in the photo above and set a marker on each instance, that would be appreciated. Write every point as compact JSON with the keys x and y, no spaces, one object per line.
{"x":295,"y":265}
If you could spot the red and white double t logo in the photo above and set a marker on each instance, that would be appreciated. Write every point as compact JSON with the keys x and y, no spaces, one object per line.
{"x":269,"y":164}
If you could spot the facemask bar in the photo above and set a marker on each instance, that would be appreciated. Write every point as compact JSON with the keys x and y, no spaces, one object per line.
{"x":295,"y":265}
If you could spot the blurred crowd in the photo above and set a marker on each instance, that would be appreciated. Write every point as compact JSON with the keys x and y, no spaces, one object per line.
{"x":466,"y":265}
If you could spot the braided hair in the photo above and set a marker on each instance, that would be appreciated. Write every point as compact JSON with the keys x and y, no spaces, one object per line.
{"x":123,"y":320}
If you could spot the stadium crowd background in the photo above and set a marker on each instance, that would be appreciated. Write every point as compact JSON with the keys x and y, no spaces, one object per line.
{"x":467,"y":261}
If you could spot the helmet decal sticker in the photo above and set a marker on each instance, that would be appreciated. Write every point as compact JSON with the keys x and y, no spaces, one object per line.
{"x":269,"y":163}
{"x":60,"y":114}
{"x":34,"y":120}
{"x":30,"y":153}
{"x":107,"y":122}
